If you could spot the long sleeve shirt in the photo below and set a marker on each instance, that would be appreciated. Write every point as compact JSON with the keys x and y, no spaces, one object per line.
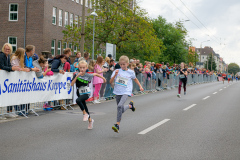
{"x":5,"y":62}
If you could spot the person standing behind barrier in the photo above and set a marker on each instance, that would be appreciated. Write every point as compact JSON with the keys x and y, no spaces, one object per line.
{"x":109,"y":89}
{"x":58,"y":64}
{"x":98,"y":68}
{"x":182,"y":79}
{"x":40,"y":64}
{"x":18,"y":59}
{"x":67,"y":65}
{"x":82,"y":79}
{"x":123,"y":88}
{"x":28,"y":59}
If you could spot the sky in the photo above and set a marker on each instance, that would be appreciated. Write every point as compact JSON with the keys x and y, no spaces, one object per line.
{"x":219,"y":22}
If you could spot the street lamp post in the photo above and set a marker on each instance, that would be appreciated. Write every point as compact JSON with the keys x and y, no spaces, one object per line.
{"x":94,"y":14}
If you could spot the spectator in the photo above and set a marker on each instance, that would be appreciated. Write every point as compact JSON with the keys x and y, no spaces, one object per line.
{"x":67,"y":65}
{"x":98,"y":68}
{"x":86,"y":56}
{"x":91,"y":66}
{"x":111,"y":65}
{"x":28,"y":60}
{"x":132,"y":66}
{"x":106,"y":64}
{"x":110,"y":56}
{"x":131,"y":61}
{"x":18,"y":59}
{"x":78,"y":55}
{"x":138,"y":61}
{"x":41,"y":65}
{"x":152,"y":66}
{"x":117,"y":66}
{"x":5,"y":59}
{"x":58,"y":64}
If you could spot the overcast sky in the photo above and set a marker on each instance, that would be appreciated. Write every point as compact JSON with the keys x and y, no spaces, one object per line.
{"x":220,"y":17}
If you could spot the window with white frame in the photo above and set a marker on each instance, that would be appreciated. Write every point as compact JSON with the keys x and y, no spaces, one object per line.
{"x":13,"y":12}
{"x":66,"y":19}
{"x":76,"y":20}
{"x":70,"y":46}
{"x":13,"y":42}
{"x":75,"y":49}
{"x":60,"y":17}
{"x":71,"y":19}
{"x":59,"y":47}
{"x":77,"y":1}
{"x":53,"y":47}
{"x":64,"y":45}
{"x":54,"y":15}
{"x":86,"y":3}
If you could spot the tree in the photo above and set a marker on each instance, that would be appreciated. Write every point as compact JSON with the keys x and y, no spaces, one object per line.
{"x":210,"y":63}
{"x":233,"y":68}
{"x":192,"y":58}
{"x":174,"y":40}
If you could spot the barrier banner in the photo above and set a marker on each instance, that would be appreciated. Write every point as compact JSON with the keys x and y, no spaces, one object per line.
{"x":24,"y":87}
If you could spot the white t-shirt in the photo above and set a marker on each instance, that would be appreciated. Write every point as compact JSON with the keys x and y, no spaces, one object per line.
{"x":123,"y":82}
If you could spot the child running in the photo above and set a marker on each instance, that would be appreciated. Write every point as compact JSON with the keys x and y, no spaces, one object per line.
{"x":182,"y":79}
{"x":123,"y":88}
{"x":82,"y":79}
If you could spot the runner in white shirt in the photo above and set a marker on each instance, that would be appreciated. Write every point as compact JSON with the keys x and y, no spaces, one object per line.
{"x":123,"y":88}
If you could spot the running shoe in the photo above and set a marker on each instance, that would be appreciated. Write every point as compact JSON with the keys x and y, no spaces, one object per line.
{"x":90,"y":124}
{"x":85,"y":117}
{"x":96,"y":102}
{"x":116,"y":128}
{"x":185,"y":93}
{"x":179,"y":96}
{"x":132,"y":104}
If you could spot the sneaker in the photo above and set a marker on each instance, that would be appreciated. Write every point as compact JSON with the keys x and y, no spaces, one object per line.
{"x":10,"y":115}
{"x":85,"y":117}
{"x":3,"y":117}
{"x":185,"y":93}
{"x":90,"y":124}
{"x":116,"y":128}
{"x":179,"y":96}
{"x":96,"y":102}
{"x":132,"y":104}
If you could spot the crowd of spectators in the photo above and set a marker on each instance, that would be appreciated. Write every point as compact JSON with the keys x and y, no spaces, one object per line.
{"x":27,"y":60}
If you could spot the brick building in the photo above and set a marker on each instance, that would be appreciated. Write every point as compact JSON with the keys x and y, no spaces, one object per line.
{"x":39,"y":22}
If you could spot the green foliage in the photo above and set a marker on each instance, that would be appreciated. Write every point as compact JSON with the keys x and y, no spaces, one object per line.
{"x":233,"y":68}
{"x":192,"y":58}
{"x":174,"y":40}
{"x":210,"y":63}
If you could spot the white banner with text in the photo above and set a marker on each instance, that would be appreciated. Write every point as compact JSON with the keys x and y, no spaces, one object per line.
{"x":24,"y":87}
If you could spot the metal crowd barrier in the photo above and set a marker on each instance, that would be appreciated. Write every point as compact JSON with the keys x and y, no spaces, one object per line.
{"x":149,"y":81}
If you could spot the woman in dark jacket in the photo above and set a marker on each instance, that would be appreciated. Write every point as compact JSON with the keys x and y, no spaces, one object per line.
{"x":58,"y":63}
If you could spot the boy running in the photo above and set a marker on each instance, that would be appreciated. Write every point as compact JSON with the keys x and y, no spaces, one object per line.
{"x":82,"y":79}
{"x":123,"y":88}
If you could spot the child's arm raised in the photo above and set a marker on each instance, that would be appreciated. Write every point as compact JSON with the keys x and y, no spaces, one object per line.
{"x":138,"y":83}
{"x":95,"y":74}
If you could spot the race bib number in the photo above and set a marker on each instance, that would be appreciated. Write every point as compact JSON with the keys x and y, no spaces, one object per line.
{"x":84,"y":90}
{"x":121,"y":81}
{"x":182,"y":76}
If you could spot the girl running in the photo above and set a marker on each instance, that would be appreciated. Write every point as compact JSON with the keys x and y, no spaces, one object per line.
{"x":182,"y":79}
{"x":123,"y":88}
{"x":82,"y":79}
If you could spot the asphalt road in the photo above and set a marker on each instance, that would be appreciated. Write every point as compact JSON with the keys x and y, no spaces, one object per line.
{"x":203,"y":125}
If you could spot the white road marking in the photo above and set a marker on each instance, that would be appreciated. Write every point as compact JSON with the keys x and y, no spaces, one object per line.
{"x":189,"y":107}
{"x":206,"y":98}
{"x":215,"y":93}
{"x":154,"y":126}
{"x":220,"y":89}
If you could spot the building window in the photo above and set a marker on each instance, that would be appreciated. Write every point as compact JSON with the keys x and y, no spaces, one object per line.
{"x":75,"y":49}
{"x":77,"y":1}
{"x":70,"y":45}
{"x":13,"y":12}
{"x":76,"y":21}
{"x":60,"y":17}
{"x":64,"y":45}
{"x":13,"y":42}
{"x":53,"y":47}
{"x":86,"y":3}
{"x":66,"y":19}
{"x":71,"y":20}
{"x":54,"y":15}
{"x":59,"y":47}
